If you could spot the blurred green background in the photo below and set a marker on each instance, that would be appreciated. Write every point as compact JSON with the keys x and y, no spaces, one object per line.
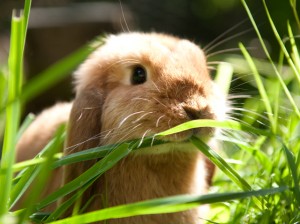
{"x":58,"y":27}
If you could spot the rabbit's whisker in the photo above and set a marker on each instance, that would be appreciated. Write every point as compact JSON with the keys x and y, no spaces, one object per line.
{"x":215,"y":41}
{"x":141,"y":117}
{"x":156,"y":87}
{"x":140,"y":98}
{"x":87,"y":108}
{"x":159,"y":102}
{"x":207,"y":50}
{"x":231,"y":97}
{"x":157,"y":121}
{"x":103,"y":134}
{"x":248,"y":111}
{"x":123,"y":17}
{"x":169,"y":123}
{"x":143,"y":137}
{"x":130,"y":115}
{"x":119,"y":132}
{"x":223,"y":51}
{"x":128,"y":133}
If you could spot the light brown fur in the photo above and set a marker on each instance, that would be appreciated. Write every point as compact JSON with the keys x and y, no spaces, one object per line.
{"x":109,"y":109}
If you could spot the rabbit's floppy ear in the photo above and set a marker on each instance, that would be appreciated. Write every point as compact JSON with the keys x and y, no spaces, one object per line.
{"x":85,"y":121}
{"x":83,"y":133}
{"x":84,"y":129}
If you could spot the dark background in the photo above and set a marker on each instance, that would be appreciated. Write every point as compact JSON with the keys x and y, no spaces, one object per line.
{"x":58,"y":27}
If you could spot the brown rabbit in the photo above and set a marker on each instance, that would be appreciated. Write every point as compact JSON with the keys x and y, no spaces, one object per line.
{"x":137,"y":85}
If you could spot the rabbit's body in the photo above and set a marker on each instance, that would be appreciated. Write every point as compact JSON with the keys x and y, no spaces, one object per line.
{"x":137,"y":85}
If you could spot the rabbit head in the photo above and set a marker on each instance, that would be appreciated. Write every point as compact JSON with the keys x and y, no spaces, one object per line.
{"x":136,"y":85}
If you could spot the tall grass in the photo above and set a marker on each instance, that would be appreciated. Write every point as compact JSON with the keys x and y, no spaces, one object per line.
{"x":258,"y":178}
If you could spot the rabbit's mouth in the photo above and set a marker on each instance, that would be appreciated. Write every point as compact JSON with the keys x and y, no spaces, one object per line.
{"x":205,"y":134}
{"x":176,"y":142}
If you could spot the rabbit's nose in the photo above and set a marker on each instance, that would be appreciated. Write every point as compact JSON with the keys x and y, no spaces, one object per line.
{"x":192,"y":113}
{"x":196,"y":113}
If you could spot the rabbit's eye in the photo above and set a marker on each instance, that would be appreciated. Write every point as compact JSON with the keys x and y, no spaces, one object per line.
{"x":139,"y":75}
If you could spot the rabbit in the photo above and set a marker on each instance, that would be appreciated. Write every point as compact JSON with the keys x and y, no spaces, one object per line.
{"x":136,"y":85}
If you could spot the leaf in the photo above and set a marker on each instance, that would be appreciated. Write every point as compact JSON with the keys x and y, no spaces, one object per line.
{"x":221,"y":163}
{"x":293,"y":169}
{"x":233,"y":125}
{"x":95,"y":171}
{"x":164,"y":205}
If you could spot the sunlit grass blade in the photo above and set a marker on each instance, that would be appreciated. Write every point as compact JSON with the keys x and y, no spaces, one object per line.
{"x":68,"y":203}
{"x":3,"y":87}
{"x":17,"y":167}
{"x":27,"y":7}
{"x":223,"y":77}
{"x":294,"y":172}
{"x":259,"y":155}
{"x":284,"y":87}
{"x":260,"y":86}
{"x":164,"y":205}
{"x":295,"y":53}
{"x":27,"y":121}
{"x":95,"y":171}
{"x":231,"y":125}
{"x":101,"y":151}
{"x":241,"y":69}
{"x":89,"y":154}
{"x":221,"y":164}
{"x":27,"y":176}
{"x":93,"y":153}
{"x":42,"y":177}
{"x":294,"y":8}
{"x":279,"y":39}
{"x":224,"y":166}
{"x":13,"y":111}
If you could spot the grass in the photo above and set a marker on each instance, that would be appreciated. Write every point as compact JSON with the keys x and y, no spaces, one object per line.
{"x":259,"y":166}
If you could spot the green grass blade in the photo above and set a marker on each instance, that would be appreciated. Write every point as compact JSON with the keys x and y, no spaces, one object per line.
{"x":286,"y":90}
{"x":23,"y":165}
{"x":95,"y":171}
{"x":28,"y":120}
{"x":27,"y":7}
{"x":295,"y":53}
{"x":260,"y":86}
{"x":259,"y":155}
{"x":164,"y":205}
{"x":224,"y":76}
{"x":293,"y":169}
{"x":64,"y":206}
{"x":89,"y":154}
{"x":13,"y":111}
{"x":42,"y":176}
{"x":100,"y":152}
{"x":26,"y":177}
{"x":93,"y":153}
{"x":279,"y":39}
{"x":3,"y":88}
{"x":294,"y":8}
{"x":231,"y":125}
{"x":221,"y":164}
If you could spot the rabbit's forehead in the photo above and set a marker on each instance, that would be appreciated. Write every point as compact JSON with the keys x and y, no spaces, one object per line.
{"x":159,"y":52}
{"x":151,"y":45}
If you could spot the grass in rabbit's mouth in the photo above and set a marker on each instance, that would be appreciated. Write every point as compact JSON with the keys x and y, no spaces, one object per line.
{"x":262,"y":164}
